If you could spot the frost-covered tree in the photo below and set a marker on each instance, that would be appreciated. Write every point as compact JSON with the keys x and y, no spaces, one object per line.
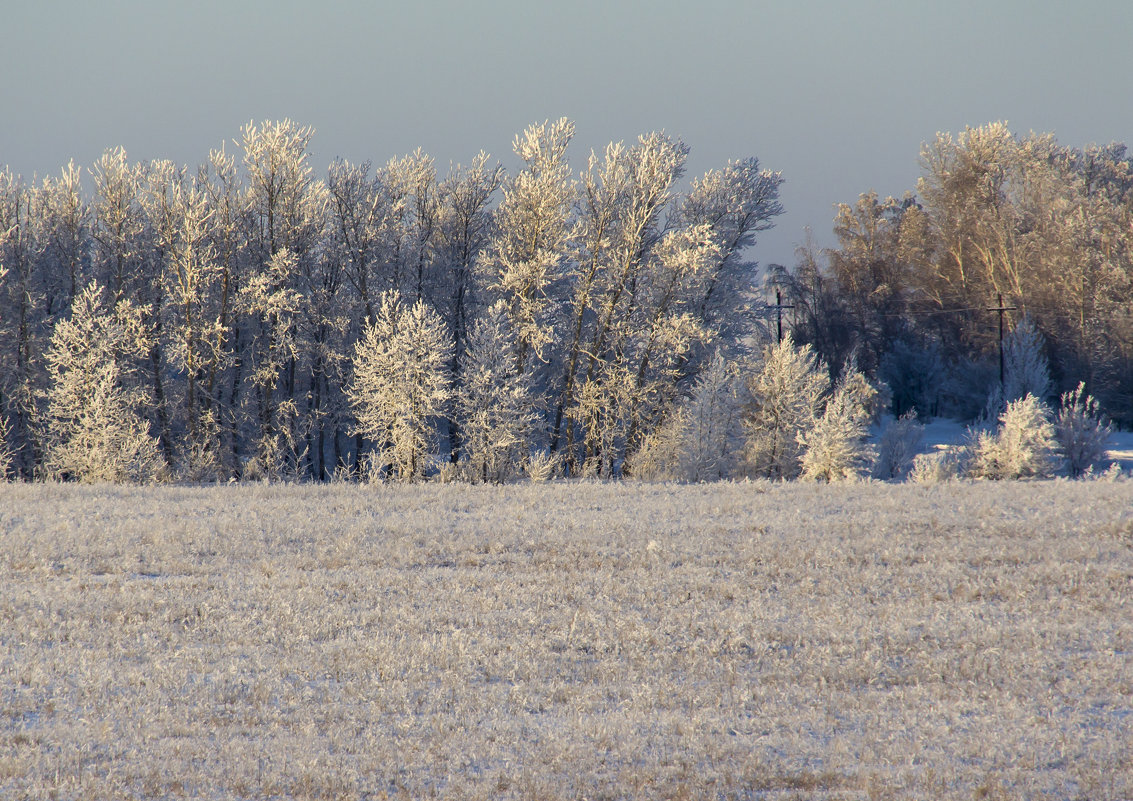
{"x":271,"y":300}
{"x":1023,"y":447}
{"x":283,"y":195}
{"x":25,"y":326}
{"x":359,"y":213}
{"x":1082,"y":431}
{"x":702,"y":438}
{"x":416,"y":221}
{"x":495,"y":406}
{"x":66,"y":224}
{"x":1025,"y":367}
{"x":835,"y":446}
{"x":119,"y":224}
{"x":465,"y":225}
{"x":93,"y":428}
{"x":533,"y":224}
{"x":287,"y":216}
{"x":712,"y":442}
{"x":228,"y":223}
{"x":193,"y":322}
{"x":400,"y":384}
{"x":787,"y":391}
{"x":619,"y":296}
{"x":736,"y":203}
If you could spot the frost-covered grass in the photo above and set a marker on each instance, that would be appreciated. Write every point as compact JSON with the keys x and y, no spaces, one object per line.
{"x":567,"y":640}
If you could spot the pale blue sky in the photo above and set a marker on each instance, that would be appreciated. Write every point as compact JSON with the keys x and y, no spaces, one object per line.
{"x":837,"y":95}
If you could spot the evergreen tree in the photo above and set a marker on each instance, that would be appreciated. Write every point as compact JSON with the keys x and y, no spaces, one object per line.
{"x":1025,"y":367}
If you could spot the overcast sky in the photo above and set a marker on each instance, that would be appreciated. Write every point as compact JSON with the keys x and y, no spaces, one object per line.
{"x":837,"y":95}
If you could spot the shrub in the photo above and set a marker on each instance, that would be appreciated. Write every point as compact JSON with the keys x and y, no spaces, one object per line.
{"x":898,"y":446}
{"x":1024,"y":446}
{"x":935,"y":468}
{"x":1082,"y":431}
{"x":541,"y":466}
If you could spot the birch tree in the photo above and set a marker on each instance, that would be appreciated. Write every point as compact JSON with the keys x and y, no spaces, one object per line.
{"x":624,"y":197}
{"x":529,"y":247}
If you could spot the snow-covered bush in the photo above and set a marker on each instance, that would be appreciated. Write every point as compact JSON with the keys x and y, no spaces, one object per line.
{"x":201,"y":463}
{"x":898,"y":446}
{"x":658,"y":457}
{"x":835,"y":446}
{"x":400,"y":384}
{"x":541,"y":466}
{"x":1081,"y":430}
{"x":1023,"y":447}
{"x":450,"y":472}
{"x":935,"y":468}
{"x":93,"y":428}
{"x":786,"y":399}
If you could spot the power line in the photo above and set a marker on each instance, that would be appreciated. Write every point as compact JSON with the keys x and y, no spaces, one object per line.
{"x":1001,"y":309}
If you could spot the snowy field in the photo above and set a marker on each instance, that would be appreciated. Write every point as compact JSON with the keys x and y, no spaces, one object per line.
{"x":567,"y":640}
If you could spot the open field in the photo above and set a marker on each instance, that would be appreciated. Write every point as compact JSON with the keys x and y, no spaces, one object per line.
{"x":567,"y":640}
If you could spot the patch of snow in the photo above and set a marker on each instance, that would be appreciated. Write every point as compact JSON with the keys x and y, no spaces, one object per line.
{"x":1121,"y":449}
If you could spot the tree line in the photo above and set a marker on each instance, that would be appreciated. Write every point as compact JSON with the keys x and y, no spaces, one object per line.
{"x":249,"y":319}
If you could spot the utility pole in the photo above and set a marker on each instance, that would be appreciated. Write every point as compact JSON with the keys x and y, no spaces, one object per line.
{"x":779,"y":306}
{"x":1001,"y":309}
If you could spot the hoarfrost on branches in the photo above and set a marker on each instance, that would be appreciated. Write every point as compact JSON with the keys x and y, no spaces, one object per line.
{"x":787,"y":391}
{"x":92,"y":427}
{"x":1023,"y":447}
{"x":1081,"y":430}
{"x":400,"y":384}
{"x":495,"y":406}
{"x":834,"y":447}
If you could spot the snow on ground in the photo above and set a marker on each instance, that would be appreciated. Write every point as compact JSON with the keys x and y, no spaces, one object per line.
{"x":1121,"y":449}
{"x":567,"y":640}
{"x":941,"y":434}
